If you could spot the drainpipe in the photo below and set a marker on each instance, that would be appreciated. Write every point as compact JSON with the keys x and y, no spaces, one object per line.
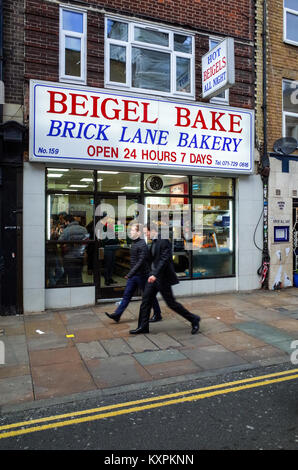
{"x":265,"y":164}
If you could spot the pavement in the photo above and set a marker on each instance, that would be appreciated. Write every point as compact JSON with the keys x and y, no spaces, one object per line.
{"x":75,"y":353}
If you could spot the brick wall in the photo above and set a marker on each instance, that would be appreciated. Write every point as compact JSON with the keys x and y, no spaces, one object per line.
{"x":13,"y":50}
{"x":233,"y":18}
{"x":282,"y":64}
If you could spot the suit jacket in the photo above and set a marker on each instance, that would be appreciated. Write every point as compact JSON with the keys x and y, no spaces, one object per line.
{"x":162,"y":266}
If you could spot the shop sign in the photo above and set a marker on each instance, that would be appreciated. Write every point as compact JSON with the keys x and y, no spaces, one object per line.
{"x":73,"y":124}
{"x":218,"y":69}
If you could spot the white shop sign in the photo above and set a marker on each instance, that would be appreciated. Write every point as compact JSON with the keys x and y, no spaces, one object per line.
{"x":218,"y":69}
{"x":73,"y":124}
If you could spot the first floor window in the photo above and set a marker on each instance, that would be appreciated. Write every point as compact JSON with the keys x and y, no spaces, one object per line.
{"x":291,"y":21}
{"x":146,"y":57}
{"x":73,"y":36}
{"x":290,"y":109}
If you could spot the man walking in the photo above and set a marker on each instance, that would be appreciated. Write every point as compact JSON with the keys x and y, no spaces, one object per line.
{"x":137,"y":276}
{"x":162,"y":278}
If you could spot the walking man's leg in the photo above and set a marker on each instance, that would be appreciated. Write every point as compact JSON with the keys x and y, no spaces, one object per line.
{"x":146,"y":305}
{"x":167,"y":294}
{"x":128,"y":293}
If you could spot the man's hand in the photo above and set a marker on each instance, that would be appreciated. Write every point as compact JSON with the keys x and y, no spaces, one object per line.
{"x":151,"y":279}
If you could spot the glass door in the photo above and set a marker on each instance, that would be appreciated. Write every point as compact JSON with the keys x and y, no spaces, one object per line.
{"x":114,"y":216}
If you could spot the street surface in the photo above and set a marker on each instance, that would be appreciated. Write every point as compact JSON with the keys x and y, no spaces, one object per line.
{"x":256,"y":409}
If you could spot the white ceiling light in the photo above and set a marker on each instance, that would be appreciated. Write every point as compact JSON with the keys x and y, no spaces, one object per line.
{"x":55,"y":175}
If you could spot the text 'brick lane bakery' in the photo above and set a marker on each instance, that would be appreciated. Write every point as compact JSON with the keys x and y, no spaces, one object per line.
{"x":101,"y":158}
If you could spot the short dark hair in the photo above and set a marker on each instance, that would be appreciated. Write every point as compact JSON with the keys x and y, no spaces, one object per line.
{"x":69,"y":218}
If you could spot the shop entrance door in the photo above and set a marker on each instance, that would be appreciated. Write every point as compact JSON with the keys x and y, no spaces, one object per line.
{"x":11,"y":240}
{"x":113,"y":216}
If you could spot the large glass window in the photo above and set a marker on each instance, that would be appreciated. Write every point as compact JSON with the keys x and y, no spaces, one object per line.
{"x":73,"y":37}
{"x":213,"y":245}
{"x":290,"y":109}
{"x":195,"y":213}
{"x":149,"y":58}
{"x":291,"y":22}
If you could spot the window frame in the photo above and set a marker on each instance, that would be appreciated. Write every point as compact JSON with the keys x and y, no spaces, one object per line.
{"x":294,"y":12}
{"x":217,"y":99}
{"x":82,"y":36}
{"x":148,"y":46}
{"x":286,"y":113}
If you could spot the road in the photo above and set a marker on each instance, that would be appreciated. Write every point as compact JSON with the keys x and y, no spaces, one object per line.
{"x":256,"y":409}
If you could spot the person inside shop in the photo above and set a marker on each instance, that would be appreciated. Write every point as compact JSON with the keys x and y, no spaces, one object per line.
{"x":73,"y":253}
{"x":137,"y":276}
{"x":54,"y":265}
{"x":161,"y":279}
{"x":111,"y":245}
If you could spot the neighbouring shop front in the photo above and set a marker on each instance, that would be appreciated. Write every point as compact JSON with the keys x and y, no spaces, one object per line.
{"x":101,"y":161}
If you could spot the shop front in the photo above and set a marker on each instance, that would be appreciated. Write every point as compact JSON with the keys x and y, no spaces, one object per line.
{"x":100,"y":162}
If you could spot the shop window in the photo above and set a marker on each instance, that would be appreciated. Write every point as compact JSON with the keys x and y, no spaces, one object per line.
{"x":146,"y":57}
{"x":215,"y":186}
{"x":70,"y":180}
{"x":291,"y":22}
{"x":173,"y":217}
{"x":170,"y":184}
{"x":213,"y":240}
{"x":222,"y":97}
{"x":290,"y":112}
{"x":73,"y":37}
{"x":118,"y":182}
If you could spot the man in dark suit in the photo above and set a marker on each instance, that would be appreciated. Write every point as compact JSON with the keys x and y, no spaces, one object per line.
{"x":162,"y":278}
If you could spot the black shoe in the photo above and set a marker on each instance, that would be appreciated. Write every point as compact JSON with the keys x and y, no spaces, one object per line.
{"x":111,"y":281}
{"x":155,"y":318}
{"x":107,"y":283}
{"x":114,"y":317}
{"x":139,"y":330}
{"x":195,"y":326}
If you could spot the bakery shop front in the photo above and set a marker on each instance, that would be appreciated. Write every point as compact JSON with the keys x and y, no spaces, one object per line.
{"x":100,"y":161}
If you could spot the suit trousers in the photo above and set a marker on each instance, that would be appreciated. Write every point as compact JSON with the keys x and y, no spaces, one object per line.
{"x":150,"y":292}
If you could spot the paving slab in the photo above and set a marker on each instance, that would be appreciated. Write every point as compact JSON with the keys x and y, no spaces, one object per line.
{"x":56,"y":380}
{"x":54,"y":356}
{"x":236,"y":340}
{"x":213,"y":357}
{"x":141,"y":343}
{"x":164,"y":341}
{"x":172,"y":369}
{"x":116,"y":371}
{"x":16,"y":352}
{"x":265,"y":333}
{"x":155,"y":357}
{"x":265,"y":352}
{"x":47,"y":341}
{"x":116,"y":347}
{"x":16,"y":389}
{"x":92,"y":350}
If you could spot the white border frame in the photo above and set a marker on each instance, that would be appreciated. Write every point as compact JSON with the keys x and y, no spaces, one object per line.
{"x":294,"y":12}
{"x":131,"y":42}
{"x":83,"y":36}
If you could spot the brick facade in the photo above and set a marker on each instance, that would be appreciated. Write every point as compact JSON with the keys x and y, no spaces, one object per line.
{"x":282,"y":63}
{"x":13,"y":58}
{"x":235,"y":19}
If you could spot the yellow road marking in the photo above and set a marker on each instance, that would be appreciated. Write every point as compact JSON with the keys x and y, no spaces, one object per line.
{"x":145,"y":407}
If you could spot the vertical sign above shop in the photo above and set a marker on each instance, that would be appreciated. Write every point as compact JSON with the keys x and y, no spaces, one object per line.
{"x":218,"y":69}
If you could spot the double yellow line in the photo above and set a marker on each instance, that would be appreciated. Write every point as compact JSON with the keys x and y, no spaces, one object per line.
{"x":94,"y":414}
